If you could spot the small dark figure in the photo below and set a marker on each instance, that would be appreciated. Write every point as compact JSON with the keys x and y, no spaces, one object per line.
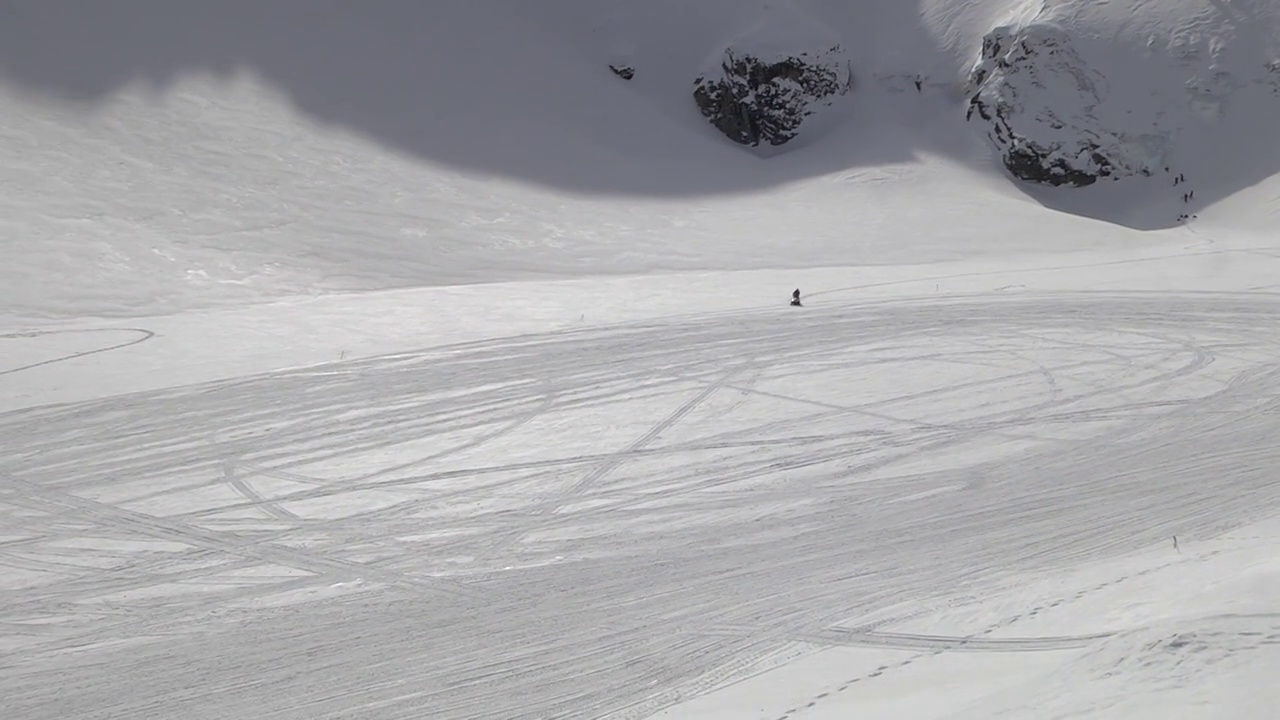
{"x":795,"y":298}
{"x":1191,"y":195}
{"x":919,"y":83}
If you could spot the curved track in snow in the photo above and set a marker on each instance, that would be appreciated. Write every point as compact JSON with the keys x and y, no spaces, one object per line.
{"x":601,"y":523}
{"x":142,"y":335}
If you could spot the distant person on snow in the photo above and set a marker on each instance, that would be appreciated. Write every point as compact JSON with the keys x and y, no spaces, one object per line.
{"x":795,"y":298}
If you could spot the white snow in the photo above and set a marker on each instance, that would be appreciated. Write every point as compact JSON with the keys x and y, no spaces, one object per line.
{"x":399,"y":360}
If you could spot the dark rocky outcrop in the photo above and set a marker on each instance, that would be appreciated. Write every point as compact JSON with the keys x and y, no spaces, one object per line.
{"x":756,"y":101}
{"x":626,"y":72}
{"x":1039,"y":100}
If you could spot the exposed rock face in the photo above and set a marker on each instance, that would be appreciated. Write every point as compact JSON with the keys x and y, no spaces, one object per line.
{"x":1041,"y":102}
{"x":755,"y":100}
{"x":626,"y":72}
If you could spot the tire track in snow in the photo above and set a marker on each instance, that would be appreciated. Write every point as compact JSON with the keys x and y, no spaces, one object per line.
{"x":608,"y":464}
{"x":614,"y":461}
{"x":21,"y":492}
{"x":247,"y":491}
{"x":911,"y":641}
{"x":143,"y":332}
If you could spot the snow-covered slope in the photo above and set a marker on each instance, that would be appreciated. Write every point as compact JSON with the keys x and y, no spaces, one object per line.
{"x":1080,"y":92}
{"x":316,"y":401}
{"x":160,"y":157}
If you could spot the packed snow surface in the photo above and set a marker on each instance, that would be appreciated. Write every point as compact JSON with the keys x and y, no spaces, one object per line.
{"x":401,"y":360}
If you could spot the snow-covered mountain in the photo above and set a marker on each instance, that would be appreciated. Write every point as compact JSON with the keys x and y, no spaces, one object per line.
{"x":1070,"y":96}
{"x":194,"y":156}
{"x":407,"y":359}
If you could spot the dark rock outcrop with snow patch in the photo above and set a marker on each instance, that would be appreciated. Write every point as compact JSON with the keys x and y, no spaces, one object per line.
{"x":755,"y":100}
{"x":1040,"y":102}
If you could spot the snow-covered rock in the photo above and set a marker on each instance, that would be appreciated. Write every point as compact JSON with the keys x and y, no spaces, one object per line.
{"x":769,"y":82}
{"x":1041,"y":102}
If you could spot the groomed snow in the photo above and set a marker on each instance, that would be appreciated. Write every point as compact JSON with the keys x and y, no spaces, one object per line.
{"x":322,"y":397}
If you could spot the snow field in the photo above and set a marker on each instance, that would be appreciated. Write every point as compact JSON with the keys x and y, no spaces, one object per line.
{"x":438,"y":532}
{"x":351,"y":368}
